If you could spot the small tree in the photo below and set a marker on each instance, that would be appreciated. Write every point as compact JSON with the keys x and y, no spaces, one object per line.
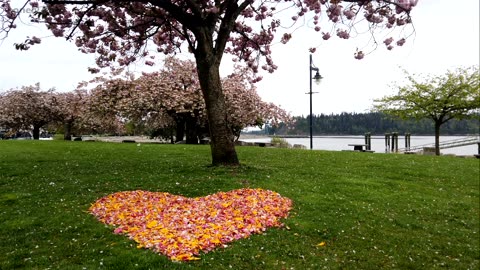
{"x":28,"y":108}
{"x":440,"y":98}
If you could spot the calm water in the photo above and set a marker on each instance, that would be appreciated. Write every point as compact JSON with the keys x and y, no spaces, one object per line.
{"x":338,"y":143}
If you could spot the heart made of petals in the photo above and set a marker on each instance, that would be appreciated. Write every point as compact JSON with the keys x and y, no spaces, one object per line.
{"x":181,"y":227}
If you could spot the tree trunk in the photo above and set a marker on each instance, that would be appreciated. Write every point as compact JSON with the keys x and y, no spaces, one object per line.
{"x":221,"y":136}
{"x":36,"y":132}
{"x":437,"y":137}
{"x":67,"y":131}
{"x":180,"y":129}
{"x":191,"y":127}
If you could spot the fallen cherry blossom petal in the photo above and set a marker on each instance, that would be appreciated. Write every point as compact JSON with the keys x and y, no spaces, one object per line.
{"x":181,"y":227}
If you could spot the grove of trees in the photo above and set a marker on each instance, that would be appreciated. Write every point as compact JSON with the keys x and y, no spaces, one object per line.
{"x":30,"y":109}
{"x":168,"y":103}
{"x":375,"y":123}
{"x":171,"y":98}
{"x":120,"y":32}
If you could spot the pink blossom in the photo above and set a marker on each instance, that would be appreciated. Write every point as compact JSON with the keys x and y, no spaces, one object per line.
{"x":93,"y":70}
{"x":11,"y":14}
{"x":58,"y":32}
{"x":359,"y":55}
{"x":349,"y":14}
{"x":401,"y":21}
{"x":34,"y":40}
{"x":406,"y":5}
{"x":400,"y":42}
{"x":343,"y":34}
{"x":388,"y":41}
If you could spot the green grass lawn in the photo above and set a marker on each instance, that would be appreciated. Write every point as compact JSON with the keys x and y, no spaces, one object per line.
{"x":372,"y":211}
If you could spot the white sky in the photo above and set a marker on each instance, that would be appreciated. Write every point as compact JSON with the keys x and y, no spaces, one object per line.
{"x":447,"y":37}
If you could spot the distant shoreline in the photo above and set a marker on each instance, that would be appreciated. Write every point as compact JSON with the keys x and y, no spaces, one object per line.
{"x":256,"y":136}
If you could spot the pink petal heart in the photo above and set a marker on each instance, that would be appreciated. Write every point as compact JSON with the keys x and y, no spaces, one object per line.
{"x":181,"y":227}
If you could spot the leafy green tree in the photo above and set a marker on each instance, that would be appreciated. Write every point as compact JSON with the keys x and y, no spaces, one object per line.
{"x":439,"y":98}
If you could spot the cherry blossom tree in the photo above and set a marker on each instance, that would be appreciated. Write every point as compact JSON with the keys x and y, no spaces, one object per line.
{"x":174,"y":93}
{"x":72,"y":110}
{"x":96,"y":112}
{"x":28,"y":108}
{"x":120,"y":32}
{"x":245,"y":108}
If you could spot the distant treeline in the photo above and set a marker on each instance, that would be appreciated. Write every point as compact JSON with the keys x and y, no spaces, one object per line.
{"x":375,"y":123}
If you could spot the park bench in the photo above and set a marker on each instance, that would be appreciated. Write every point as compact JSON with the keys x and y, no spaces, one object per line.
{"x":360,"y":148}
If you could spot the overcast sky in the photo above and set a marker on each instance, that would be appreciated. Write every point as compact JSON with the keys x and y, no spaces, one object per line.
{"x":446,"y":37}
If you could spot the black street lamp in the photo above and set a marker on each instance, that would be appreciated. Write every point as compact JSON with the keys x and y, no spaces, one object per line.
{"x":317,"y":78}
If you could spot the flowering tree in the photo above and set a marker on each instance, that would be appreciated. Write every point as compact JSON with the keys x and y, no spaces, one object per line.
{"x":72,"y":109}
{"x":439,"y":98}
{"x":173,"y":98}
{"x":28,"y":108}
{"x":95,"y":110}
{"x":119,"y":32}
{"x":245,"y":108}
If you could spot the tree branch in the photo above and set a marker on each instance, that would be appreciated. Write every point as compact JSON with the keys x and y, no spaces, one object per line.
{"x":10,"y":25}
{"x":79,"y":21}
{"x":226,"y":27}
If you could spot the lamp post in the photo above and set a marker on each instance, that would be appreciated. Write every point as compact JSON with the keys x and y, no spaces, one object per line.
{"x":317,"y":79}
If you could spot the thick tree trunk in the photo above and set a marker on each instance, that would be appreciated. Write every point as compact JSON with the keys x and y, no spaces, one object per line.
{"x":437,"y":137}
{"x":191,"y":127}
{"x":36,"y":132}
{"x":221,"y":136}
{"x":180,"y":129}
{"x":67,"y":131}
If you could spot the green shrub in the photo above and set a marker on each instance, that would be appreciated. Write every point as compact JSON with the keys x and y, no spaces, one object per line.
{"x":280,"y":142}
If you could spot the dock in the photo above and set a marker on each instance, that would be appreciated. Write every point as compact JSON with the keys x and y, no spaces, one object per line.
{"x":443,"y":145}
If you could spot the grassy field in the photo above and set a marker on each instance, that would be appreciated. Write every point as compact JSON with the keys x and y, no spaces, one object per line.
{"x":372,"y":211}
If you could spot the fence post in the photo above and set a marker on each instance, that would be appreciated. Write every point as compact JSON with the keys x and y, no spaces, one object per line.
{"x":392,"y":144}
{"x":387,"y":142}
{"x":395,"y":142}
{"x":368,"y":141}
{"x":407,"y":142}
